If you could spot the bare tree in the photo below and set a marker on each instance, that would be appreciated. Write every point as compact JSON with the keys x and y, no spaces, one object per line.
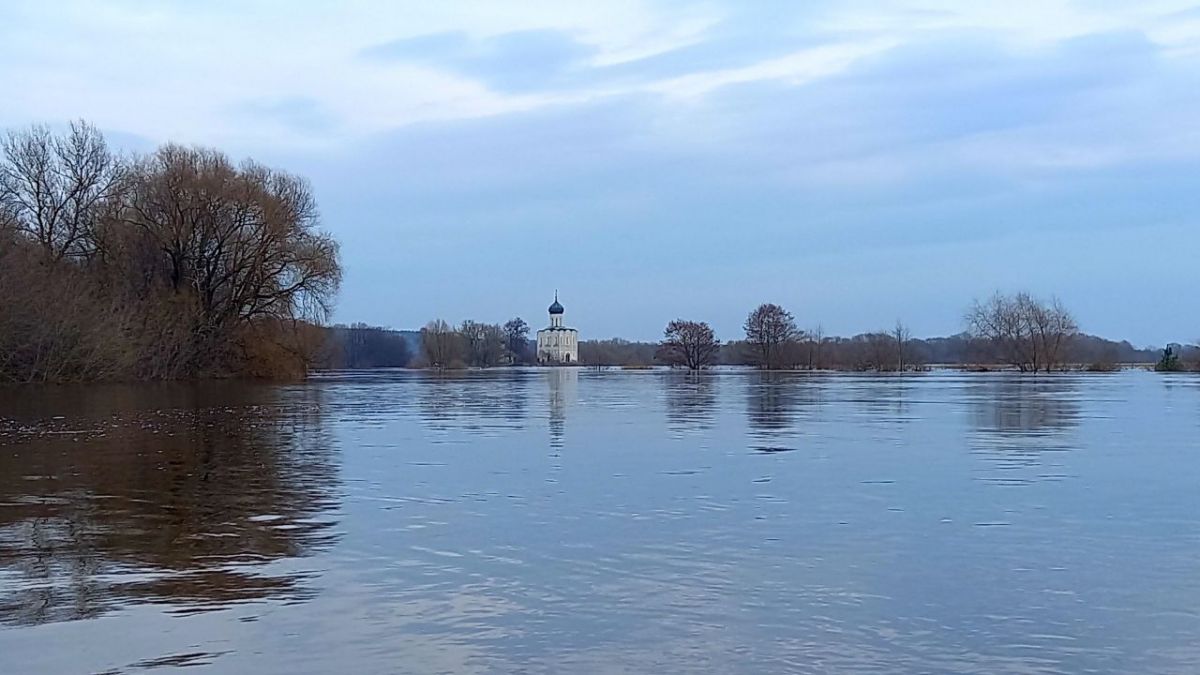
{"x":901,"y":334}
{"x":175,"y":265}
{"x":440,"y":345}
{"x":1054,"y":328}
{"x":516,"y":339}
{"x":472,"y":334}
{"x":812,"y":342}
{"x":494,"y":347}
{"x":819,"y":340}
{"x":56,"y":189}
{"x":484,"y":343}
{"x":769,"y":331}
{"x":881,"y":352}
{"x":1023,"y":331}
{"x":998,"y":322}
{"x":242,"y":239}
{"x":691,"y":344}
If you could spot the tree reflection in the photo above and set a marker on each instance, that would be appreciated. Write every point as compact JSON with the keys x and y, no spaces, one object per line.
{"x":1016,"y":419}
{"x":474,"y":400}
{"x":884,"y":398}
{"x":691,"y":399}
{"x":168,"y":494}
{"x":1018,"y":407}
{"x":773,"y":402}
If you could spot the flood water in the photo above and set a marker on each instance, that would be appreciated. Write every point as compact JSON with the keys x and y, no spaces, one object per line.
{"x":568,"y":521}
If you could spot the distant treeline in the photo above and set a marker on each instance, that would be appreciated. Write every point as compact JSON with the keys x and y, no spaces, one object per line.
{"x":867,"y":352}
{"x":361,"y":346}
{"x":176,"y":264}
{"x":437,"y":345}
{"x":1017,"y":331}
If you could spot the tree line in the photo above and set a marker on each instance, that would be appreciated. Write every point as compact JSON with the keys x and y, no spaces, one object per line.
{"x":1017,"y":331}
{"x":474,"y":344}
{"x":174,"y":264}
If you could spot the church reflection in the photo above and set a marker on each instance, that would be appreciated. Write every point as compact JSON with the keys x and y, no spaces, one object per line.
{"x":179,"y":494}
{"x":562,"y":384}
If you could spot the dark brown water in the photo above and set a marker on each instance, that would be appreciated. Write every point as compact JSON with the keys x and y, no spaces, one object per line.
{"x":565,"y":521}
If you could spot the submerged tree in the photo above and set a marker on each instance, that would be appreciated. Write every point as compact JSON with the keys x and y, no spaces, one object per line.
{"x":484,"y":343}
{"x":1169,"y":363}
{"x":813,"y":342}
{"x":1023,"y":331}
{"x":901,"y":334}
{"x":441,"y":345}
{"x":770,"y":330}
{"x":516,"y":339}
{"x":690,"y":344}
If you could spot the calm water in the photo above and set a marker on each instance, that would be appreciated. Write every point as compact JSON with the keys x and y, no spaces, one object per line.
{"x":582,"y":522}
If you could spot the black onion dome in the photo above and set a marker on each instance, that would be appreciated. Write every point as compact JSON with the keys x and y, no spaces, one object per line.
{"x":556,"y":308}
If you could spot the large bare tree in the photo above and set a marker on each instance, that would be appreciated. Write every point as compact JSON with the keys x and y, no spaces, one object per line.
{"x":770,"y":330}
{"x":194,"y":266}
{"x":56,"y":189}
{"x":243,"y":239}
{"x":691,"y":344}
{"x":1023,"y":331}
{"x":441,"y":345}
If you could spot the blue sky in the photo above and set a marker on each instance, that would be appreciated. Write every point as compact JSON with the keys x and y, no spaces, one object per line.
{"x":857,"y":162}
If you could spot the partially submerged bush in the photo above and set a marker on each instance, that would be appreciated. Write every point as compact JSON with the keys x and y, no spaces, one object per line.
{"x":1170,"y":362}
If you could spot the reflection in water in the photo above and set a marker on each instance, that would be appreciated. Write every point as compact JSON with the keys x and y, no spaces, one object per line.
{"x":773,"y":402}
{"x":885,"y":397}
{"x":562,"y":383}
{"x":473,"y":400}
{"x":1016,"y":419}
{"x":691,"y":398}
{"x":1014,"y":406}
{"x":170,"y":494}
{"x":462,"y":545}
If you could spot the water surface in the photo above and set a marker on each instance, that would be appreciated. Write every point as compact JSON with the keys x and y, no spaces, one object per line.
{"x":574,"y":521}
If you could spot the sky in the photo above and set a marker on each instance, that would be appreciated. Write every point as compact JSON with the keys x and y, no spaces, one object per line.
{"x":858,"y":163}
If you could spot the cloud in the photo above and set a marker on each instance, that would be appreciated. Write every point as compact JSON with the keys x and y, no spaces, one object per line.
{"x":516,"y":61}
{"x":884,"y":172}
{"x":298,"y":114}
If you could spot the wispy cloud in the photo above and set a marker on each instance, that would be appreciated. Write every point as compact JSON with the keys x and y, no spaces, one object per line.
{"x":517,"y":61}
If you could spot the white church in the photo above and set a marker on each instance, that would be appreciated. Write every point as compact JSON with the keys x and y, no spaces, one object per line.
{"x":557,"y":344}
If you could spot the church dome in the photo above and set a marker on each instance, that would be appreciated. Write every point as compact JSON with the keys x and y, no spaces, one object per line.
{"x":556,"y":308}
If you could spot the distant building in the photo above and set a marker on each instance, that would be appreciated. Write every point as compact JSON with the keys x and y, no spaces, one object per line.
{"x":556,"y":343}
